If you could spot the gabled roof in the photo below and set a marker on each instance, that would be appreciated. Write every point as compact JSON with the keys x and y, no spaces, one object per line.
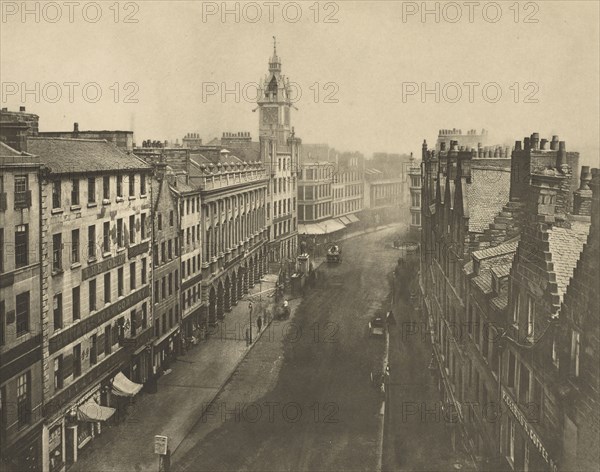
{"x":67,"y":155}
{"x":487,"y":193}
{"x":500,"y":250}
{"x":566,"y":245}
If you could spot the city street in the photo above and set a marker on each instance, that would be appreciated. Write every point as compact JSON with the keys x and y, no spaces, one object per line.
{"x":302,"y":398}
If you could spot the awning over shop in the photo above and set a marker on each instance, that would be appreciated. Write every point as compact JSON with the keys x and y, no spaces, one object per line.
{"x":331,"y":226}
{"x":124,"y":387}
{"x":345,"y":220}
{"x":91,"y":411}
{"x":310,"y":229}
{"x":353,"y":218}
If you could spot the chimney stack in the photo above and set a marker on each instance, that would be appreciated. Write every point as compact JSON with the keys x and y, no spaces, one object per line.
{"x":76,"y":128}
{"x":535,"y":140}
{"x":582,"y":198}
{"x":561,"y":157}
{"x":554,"y":143}
{"x":22,"y":109}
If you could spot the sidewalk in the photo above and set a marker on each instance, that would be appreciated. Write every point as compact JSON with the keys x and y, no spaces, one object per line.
{"x":195,"y":380}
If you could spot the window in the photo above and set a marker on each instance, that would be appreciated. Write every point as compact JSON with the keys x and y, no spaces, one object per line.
{"x":511,"y":369}
{"x":107,"y":340}
{"x":106,"y":188}
{"x":132,"y":276}
{"x":144,"y":271}
{"x":91,"y":189}
{"x":170,"y":249}
{"x":159,"y":221}
{"x":163,"y":252}
{"x":22,"y":246}
{"x":58,"y":311}
{"x":142,"y":184}
{"x":94,"y":350}
{"x":156,"y":328}
{"x":575,"y":346}
{"x":171,"y":218}
{"x":132,"y":185}
{"x":511,"y":440}
{"x":555,"y":360}
{"x":120,"y":282}
{"x":56,"y":194}
{"x":75,"y":192}
{"x":1,"y":250}
{"x":164,"y":323}
{"x":76,"y":303}
{"x":120,"y":242}
{"x":92,"y":242}
{"x":22,"y":193}
{"x":76,"y":360}
{"x":176,"y":279}
{"x":58,"y":372}
{"x":143,"y":226}
{"x":2,"y":323}
{"x":22,"y":313}
{"x":107,"y":287}
{"x":164,"y":287}
{"x":530,"y":315}
{"x":132,"y":323}
{"x":57,"y":252}
{"x":106,"y":237}
{"x":144,"y":316}
{"x":92,"y":294}
{"x":24,"y":398}
{"x":74,"y":246}
{"x":132,"y":229}
{"x":170,"y":284}
{"x":524,"y":385}
{"x":120,"y":186}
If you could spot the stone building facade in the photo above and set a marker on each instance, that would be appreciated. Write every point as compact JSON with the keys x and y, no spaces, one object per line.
{"x":500,"y":245}
{"x":21,"y":387}
{"x":96,"y":297}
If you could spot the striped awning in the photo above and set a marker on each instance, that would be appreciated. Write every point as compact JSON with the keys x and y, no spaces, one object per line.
{"x":310,"y":229}
{"x":353,"y":218}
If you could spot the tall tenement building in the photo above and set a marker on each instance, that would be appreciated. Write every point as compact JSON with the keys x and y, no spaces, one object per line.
{"x":21,"y":387}
{"x":96,"y":269}
{"x":280,"y":153}
{"x":509,"y":276}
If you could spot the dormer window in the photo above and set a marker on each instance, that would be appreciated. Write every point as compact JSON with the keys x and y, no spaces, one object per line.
{"x":530,"y":316}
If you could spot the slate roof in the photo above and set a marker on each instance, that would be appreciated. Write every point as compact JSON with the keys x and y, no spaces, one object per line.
{"x":10,"y":156}
{"x":500,"y":302}
{"x":182,"y":186}
{"x":67,"y":155}
{"x":6,"y":150}
{"x":484,"y":281}
{"x":502,"y":270}
{"x":566,"y":245}
{"x":500,"y":250}
{"x":487,"y":193}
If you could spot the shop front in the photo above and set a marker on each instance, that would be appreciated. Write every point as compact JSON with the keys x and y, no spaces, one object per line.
{"x":123,"y":390}
{"x":166,"y":349}
{"x":25,"y":454}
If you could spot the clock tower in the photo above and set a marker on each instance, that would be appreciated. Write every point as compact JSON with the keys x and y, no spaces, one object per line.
{"x":274,"y":103}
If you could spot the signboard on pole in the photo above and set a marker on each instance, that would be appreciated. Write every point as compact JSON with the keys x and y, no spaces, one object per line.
{"x":161,"y":445}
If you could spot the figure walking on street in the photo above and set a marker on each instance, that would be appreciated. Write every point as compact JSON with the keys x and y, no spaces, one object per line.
{"x":259,"y":323}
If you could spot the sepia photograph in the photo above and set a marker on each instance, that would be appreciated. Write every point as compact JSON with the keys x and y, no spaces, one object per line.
{"x":299,"y":236}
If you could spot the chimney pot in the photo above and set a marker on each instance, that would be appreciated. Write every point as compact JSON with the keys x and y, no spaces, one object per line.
{"x":527,"y":143}
{"x":76,"y":127}
{"x":517,"y":145}
{"x":543,"y":143}
{"x":21,"y":108}
{"x":5,"y":109}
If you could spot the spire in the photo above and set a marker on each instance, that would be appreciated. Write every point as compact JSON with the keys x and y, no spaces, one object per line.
{"x":274,"y":62}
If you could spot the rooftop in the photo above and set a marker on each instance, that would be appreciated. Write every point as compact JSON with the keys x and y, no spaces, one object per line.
{"x":68,"y":155}
{"x":487,"y":193}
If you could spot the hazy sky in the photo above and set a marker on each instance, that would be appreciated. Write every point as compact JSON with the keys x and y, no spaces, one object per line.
{"x":368,"y":62}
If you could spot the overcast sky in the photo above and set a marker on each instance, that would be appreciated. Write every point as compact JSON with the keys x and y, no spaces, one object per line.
{"x":368,"y":67}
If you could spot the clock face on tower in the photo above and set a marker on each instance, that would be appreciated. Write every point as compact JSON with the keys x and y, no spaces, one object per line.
{"x":269,"y":115}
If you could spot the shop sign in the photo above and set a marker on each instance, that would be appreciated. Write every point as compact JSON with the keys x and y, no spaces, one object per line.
{"x":161,"y":445}
{"x":103,"y":266}
{"x":535,"y":439}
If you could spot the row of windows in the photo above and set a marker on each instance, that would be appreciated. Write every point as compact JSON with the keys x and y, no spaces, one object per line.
{"x":92,"y":243}
{"x":24,"y":400}
{"x":191,"y":296}
{"x":167,"y":323}
{"x":166,"y":286}
{"x":348,"y":191}
{"x":90,"y":352}
{"x":107,"y":182}
{"x":323,"y":172}
{"x":284,"y":227}
{"x":314,"y":192}
{"x":314,"y":212}
{"x":21,"y":194}
{"x":92,"y":292}
{"x":283,"y":184}
{"x":169,"y":250}
{"x":22,"y":316}
{"x":190,"y":267}
{"x":342,"y":208}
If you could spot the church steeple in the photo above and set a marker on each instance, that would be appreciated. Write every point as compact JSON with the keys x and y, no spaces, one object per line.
{"x":274,"y":62}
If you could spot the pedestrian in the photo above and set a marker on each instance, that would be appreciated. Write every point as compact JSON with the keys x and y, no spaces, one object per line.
{"x":247,"y":337}
{"x":259,"y":323}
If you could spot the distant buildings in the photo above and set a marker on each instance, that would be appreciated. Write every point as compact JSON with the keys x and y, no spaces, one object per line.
{"x":415,"y":183}
{"x":122,"y":139}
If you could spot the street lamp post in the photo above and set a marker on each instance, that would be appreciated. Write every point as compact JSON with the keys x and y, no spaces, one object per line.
{"x":250,"y":314}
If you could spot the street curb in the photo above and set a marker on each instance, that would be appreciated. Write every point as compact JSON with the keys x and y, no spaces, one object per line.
{"x":225,"y":382}
{"x":383,"y":406}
